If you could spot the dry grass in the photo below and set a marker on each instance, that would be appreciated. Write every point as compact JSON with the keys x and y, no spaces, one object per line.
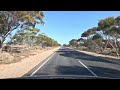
{"x":25,"y":65}
{"x":6,"y":58}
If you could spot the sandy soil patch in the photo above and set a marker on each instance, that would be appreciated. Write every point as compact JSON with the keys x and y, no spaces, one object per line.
{"x":18,"y":69}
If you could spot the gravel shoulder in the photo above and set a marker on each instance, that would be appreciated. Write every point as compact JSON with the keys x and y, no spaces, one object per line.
{"x":20,"y":68}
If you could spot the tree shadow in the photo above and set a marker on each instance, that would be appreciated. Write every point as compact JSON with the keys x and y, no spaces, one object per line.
{"x":82,"y":71}
{"x":83,"y":56}
{"x":105,"y":72}
{"x":72,"y":70}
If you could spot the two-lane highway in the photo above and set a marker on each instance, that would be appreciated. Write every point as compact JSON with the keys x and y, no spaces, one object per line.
{"x":67,"y":61}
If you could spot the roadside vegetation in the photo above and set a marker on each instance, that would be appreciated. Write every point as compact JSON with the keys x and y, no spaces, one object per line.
{"x":26,"y":35}
{"x":104,"y":39}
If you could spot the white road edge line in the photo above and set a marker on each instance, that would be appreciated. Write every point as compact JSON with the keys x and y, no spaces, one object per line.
{"x":88,"y":69}
{"x":84,"y":64}
{"x":42,"y":64}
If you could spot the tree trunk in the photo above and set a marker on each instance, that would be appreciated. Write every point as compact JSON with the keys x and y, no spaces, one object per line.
{"x":114,"y":49}
{"x":118,"y":44}
{"x":117,"y":49}
{"x":97,"y":46}
{"x":106,"y":45}
{"x":1,"y":46}
{"x":1,"y":42}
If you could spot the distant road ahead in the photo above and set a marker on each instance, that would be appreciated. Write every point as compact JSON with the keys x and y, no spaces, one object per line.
{"x":67,"y":61}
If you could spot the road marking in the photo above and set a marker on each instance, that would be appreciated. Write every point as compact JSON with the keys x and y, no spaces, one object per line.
{"x":42,"y":64}
{"x":88,"y":69}
{"x":84,"y":64}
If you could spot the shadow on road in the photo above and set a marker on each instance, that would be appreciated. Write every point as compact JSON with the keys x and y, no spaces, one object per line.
{"x":72,"y":70}
{"x":100,"y":71}
{"x":105,"y":72}
{"x":83,"y":56}
{"x":82,"y":71}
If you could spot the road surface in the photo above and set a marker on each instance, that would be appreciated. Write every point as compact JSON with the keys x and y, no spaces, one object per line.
{"x":69,"y":62}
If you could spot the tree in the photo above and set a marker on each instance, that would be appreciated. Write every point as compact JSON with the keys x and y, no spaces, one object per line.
{"x":46,"y":41}
{"x":106,"y":23}
{"x":96,"y":38}
{"x":11,"y":20}
{"x":73,"y":42}
{"x":110,"y":29}
{"x":106,"y":33}
{"x":27,"y":38}
{"x":24,"y":38}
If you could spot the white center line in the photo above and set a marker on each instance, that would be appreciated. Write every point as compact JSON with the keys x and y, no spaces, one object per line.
{"x":42,"y":65}
{"x":88,"y":69}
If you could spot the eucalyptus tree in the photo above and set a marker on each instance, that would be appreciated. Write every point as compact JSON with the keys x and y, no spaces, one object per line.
{"x":12,"y":20}
{"x":111,"y":32}
{"x":73,"y":42}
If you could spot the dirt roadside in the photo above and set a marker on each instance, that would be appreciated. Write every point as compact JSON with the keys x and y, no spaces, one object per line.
{"x":95,"y":54}
{"x":20,"y":68}
{"x":101,"y":55}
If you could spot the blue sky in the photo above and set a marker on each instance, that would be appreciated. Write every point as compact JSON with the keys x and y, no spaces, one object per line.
{"x":66,"y":25}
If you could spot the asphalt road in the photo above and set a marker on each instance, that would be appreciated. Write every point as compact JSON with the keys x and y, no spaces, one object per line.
{"x":69,"y":62}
